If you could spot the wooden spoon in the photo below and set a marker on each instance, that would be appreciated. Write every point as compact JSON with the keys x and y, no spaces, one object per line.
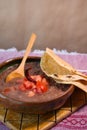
{"x":19,"y":72}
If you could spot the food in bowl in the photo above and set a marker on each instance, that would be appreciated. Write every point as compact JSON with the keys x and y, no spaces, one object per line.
{"x":42,"y":95}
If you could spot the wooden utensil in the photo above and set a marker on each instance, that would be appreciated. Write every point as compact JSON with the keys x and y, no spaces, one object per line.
{"x":19,"y":72}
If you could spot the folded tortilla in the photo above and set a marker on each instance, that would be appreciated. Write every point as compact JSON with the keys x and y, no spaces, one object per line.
{"x":62,"y":72}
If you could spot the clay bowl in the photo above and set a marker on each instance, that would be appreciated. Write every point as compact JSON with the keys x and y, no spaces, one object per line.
{"x":54,"y":98}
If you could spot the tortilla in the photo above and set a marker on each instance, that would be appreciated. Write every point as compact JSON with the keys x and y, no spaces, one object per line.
{"x":62,"y":72}
{"x":56,"y":67}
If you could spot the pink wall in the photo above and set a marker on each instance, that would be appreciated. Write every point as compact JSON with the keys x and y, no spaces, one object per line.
{"x":60,"y":24}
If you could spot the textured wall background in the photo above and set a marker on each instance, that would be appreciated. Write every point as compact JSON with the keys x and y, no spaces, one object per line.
{"x":60,"y":24}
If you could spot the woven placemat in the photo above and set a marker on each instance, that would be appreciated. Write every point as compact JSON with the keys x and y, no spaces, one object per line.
{"x":20,"y":121}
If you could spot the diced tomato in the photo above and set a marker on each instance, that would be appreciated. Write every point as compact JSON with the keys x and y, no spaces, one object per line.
{"x":44,"y":88}
{"x":41,"y":86}
{"x":39,"y":89}
{"x":38,"y":78}
{"x":27,"y":84}
{"x":22,"y":88}
{"x":44,"y":81}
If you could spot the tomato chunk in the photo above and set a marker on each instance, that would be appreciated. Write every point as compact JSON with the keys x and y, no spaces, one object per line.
{"x":40,"y":86}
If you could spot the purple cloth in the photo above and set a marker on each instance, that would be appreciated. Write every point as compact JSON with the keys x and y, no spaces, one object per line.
{"x":3,"y":126}
{"x":78,"y":120}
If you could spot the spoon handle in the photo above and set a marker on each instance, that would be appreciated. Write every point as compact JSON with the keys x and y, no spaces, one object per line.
{"x":28,"y":49}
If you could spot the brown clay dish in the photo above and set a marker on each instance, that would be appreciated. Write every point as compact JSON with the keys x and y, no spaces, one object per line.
{"x":52,"y":99}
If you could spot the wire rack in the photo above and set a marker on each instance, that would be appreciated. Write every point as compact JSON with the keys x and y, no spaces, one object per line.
{"x":20,"y":121}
